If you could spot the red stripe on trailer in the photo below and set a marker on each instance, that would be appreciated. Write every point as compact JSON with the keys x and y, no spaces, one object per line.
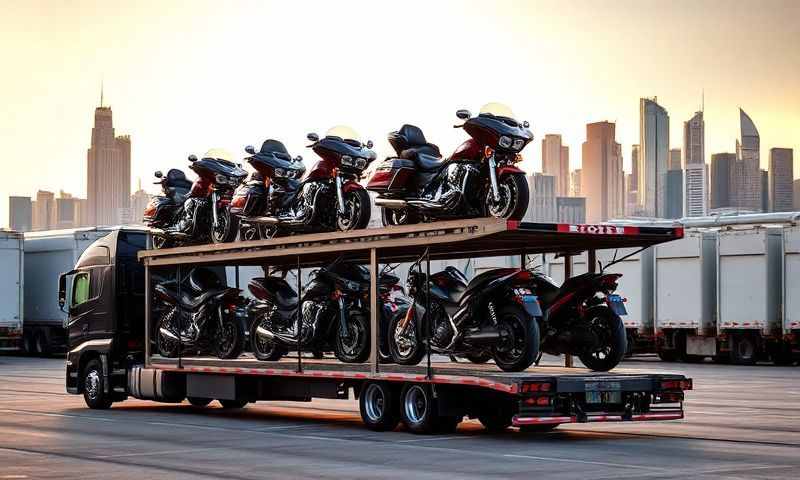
{"x":642,"y":417}
{"x":512,"y":224}
{"x":657,"y":416}
{"x":519,"y":421}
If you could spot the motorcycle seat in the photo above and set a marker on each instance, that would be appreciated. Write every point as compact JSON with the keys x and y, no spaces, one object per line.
{"x":285,"y":297}
{"x":429,"y":162}
{"x":193,"y":302}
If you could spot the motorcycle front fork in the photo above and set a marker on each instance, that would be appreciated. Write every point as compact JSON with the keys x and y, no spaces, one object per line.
{"x":493,"y":179}
{"x":214,"y":208}
{"x":339,"y":195}
{"x":342,"y":318}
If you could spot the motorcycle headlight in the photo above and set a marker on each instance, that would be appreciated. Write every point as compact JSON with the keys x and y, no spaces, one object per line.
{"x":361,"y":163}
{"x":221,"y":179}
{"x":347,"y":160}
{"x":505,"y":142}
{"x":279,"y":172}
{"x":518,"y":144}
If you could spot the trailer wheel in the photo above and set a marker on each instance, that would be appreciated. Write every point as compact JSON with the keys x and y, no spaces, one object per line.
{"x":782,"y":354}
{"x":419,"y":410}
{"x":378,"y":403}
{"x":94,"y":386}
{"x":198,"y":401}
{"x":233,"y":404}
{"x":667,"y":355}
{"x":42,"y":344}
{"x":743,"y":349}
{"x":545,"y":427}
{"x":496,"y":422}
{"x":27,"y":343}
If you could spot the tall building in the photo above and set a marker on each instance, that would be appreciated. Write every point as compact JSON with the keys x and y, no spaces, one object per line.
{"x":653,"y":156}
{"x":20,"y":214}
{"x":696,"y":170}
{"x":746,"y":191}
{"x":764,"y":191}
{"x":66,"y":211}
{"x":44,"y":210}
{"x":781,"y":195}
{"x":108,"y":171}
{"x":575,"y":183}
{"x":674,"y":206}
{"x":542,"y":207}
{"x":571,"y":210}
{"x":555,"y":162}
{"x":601,"y":173}
{"x":796,"y":188}
{"x":722,"y":165}
{"x":141,"y":198}
{"x":674,"y":159}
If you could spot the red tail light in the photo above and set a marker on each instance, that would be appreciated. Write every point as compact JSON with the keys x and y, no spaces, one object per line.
{"x":685,"y":384}
{"x":538,"y":401}
{"x":523,"y":275}
{"x":536,"y":387}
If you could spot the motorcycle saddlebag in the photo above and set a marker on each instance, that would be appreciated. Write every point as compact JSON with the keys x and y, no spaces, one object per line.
{"x":248,"y":199}
{"x":156,"y":209}
{"x":392,"y":175}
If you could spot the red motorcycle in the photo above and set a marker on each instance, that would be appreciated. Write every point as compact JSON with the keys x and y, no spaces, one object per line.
{"x":480,"y":178}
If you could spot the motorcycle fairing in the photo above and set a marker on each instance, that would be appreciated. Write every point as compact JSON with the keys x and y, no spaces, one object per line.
{"x":191,"y":302}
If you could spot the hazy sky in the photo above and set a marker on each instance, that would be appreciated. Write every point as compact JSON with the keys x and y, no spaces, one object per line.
{"x":184,"y":77}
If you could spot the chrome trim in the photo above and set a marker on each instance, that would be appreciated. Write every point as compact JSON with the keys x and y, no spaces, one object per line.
{"x":493,"y":179}
{"x":339,"y":194}
{"x":106,"y":342}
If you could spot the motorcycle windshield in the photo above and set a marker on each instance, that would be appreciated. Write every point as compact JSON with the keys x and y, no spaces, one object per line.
{"x":219,"y":154}
{"x":345,"y":133}
{"x":497,"y":110}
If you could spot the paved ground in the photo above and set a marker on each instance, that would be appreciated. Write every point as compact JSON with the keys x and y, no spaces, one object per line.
{"x":743,"y":422}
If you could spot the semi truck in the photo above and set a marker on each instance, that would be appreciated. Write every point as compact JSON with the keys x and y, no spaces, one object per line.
{"x":47,"y":255}
{"x":112,"y":355}
{"x":11,"y":283}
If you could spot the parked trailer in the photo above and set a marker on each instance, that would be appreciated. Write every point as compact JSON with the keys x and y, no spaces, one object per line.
{"x":749,"y":319}
{"x":11,"y":283}
{"x":789,"y":349}
{"x":109,"y":367}
{"x":48,"y":254}
{"x":685,"y":297}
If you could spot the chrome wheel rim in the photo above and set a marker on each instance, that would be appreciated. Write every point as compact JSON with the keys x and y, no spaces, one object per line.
{"x":508,"y":199}
{"x":353,"y":339}
{"x":374,"y":402}
{"x":92,"y":384}
{"x":415,"y":404}
{"x":405,"y":343}
{"x":220,"y":230}
{"x":352,"y":209}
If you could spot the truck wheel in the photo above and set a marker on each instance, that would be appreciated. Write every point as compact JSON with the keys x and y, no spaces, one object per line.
{"x":667,"y":355}
{"x":378,"y":405}
{"x":496,"y":422}
{"x":782,"y":354}
{"x":94,"y":386}
{"x":519,"y":340}
{"x":198,"y":401}
{"x":233,"y":404}
{"x":42,"y":344}
{"x":418,"y":408}
{"x":27,"y":343}
{"x":743,"y":349}
{"x":546,"y":427}
{"x":613,"y":342}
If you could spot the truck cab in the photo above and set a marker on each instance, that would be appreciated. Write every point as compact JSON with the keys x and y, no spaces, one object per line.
{"x":104,"y":300}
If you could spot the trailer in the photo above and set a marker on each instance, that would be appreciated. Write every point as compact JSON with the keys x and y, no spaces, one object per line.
{"x":11,"y":283}
{"x":48,"y":254}
{"x":685,"y":297}
{"x":789,"y":348}
{"x":431,"y":397}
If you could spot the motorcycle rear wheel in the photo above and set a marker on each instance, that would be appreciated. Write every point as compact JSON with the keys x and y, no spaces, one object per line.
{"x":514,"y":198}
{"x":263,"y":349}
{"x":614,"y":341}
{"x":522,"y":332}
{"x":414,"y":351}
{"x":355,"y":347}
{"x":357,"y":208}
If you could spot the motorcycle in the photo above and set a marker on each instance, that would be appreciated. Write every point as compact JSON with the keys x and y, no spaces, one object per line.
{"x":200,"y":213}
{"x":201,"y":318}
{"x":582,"y":318}
{"x":480,"y":179}
{"x":492,"y":312}
{"x":287,"y":204}
{"x":334,"y":314}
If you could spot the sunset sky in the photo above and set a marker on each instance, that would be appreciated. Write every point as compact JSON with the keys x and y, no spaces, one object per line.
{"x":184,"y":77}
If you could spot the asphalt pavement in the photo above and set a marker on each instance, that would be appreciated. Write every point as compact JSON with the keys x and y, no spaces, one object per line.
{"x":741,"y":422}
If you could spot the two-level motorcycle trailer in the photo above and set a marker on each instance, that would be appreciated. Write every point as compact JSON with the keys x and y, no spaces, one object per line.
{"x":436,"y":394}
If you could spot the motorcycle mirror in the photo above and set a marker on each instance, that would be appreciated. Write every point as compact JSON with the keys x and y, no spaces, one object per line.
{"x":463,"y":114}
{"x":526,"y":124}
{"x":369,"y":144}
{"x":193,"y":158}
{"x":313,"y":137}
{"x":250,"y":149}
{"x":298,"y":158}
{"x":158,"y":174}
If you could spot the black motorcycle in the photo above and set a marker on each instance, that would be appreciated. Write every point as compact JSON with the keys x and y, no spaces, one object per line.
{"x":334,"y":314}
{"x":480,"y":179}
{"x":582,"y":318}
{"x":328,"y":198}
{"x":198,"y":212}
{"x":199,"y":319}
{"x":493,"y":312}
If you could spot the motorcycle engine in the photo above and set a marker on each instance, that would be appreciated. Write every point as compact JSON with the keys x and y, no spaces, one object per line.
{"x":308,"y":197}
{"x":442,"y":331}
{"x":313,"y":312}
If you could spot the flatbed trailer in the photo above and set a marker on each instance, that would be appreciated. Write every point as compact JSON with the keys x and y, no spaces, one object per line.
{"x":438,"y":393}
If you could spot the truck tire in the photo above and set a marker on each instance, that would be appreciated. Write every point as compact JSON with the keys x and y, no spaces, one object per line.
{"x":419,"y":410}
{"x":378,"y":404}
{"x":496,"y":422}
{"x":666,"y":355}
{"x":233,"y":404}
{"x":524,"y":332}
{"x":94,"y":386}
{"x":27,"y":343}
{"x":42,"y":343}
{"x":198,"y":401}
{"x":743,"y":349}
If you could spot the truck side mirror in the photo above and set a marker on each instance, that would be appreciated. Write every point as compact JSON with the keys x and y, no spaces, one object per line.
{"x":62,"y":289}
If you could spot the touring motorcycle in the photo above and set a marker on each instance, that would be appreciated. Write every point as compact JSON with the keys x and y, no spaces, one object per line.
{"x":494,"y":312}
{"x":277,"y":201}
{"x":582,"y":317}
{"x":196,"y":212}
{"x":200,"y":316}
{"x":480,"y":178}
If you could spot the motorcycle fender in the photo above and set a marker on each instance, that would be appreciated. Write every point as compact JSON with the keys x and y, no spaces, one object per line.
{"x":531,"y":305}
{"x":351,"y":186}
{"x":616,"y":304}
{"x":508,"y":170}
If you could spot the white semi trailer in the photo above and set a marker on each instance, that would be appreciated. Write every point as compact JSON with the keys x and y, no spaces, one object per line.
{"x":11,"y":282}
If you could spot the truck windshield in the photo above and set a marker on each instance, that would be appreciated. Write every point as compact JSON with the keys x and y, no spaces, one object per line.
{"x":80,"y":291}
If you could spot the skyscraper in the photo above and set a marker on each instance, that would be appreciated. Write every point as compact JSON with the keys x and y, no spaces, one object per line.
{"x":575,"y":183}
{"x":696,"y":174}
{"x":571,"y":210}
{"x":555,"y":162}
{"x":746,"y":191}
{"x":722,"y":165}
{"x":674,"y":206}
{"x":601,"y":173}
{"x":674,"y":159}
{"x":108,"y":171}
{"x":781,"y":196}
{"x":653,"y":156}
{"x":542,"y":207}
{"x":764,"y":191}
{"x":44,"y":211}
{"x":141,"y":198}
{"x":20,"y":214}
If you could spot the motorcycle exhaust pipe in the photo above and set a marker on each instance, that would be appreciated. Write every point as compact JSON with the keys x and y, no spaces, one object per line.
{"x":168,"y":334}
{"x":425,"y":204}
{"x":263,"y":332}
{"x":482,"y":337}
{"x":267,"y":220}
{"x":390,"y":203}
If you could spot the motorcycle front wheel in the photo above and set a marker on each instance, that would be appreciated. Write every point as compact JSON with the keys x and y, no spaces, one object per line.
{"x":353,"y":347}
{"x":612,"y":339}
{"x":357,"y":209}
{"x":514,"y":198}
{"x":407,"y":349}
{"x":227,"y":227}
{"x":167,"y":347}
{"x":264,"y":349}
{"x":518,"y":346}
{"x":229,"y":339}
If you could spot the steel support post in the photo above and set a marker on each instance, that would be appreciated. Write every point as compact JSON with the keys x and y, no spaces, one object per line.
{"x":567,"y":274}
{"x":374,"y":313}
